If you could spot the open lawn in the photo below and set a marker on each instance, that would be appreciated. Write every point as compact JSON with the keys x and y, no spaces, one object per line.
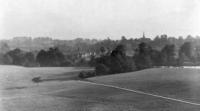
{"x":15,"y":76}
{"x":19,"y":93}
{"x":171,"y":82}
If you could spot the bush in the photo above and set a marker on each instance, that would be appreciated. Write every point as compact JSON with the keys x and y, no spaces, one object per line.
{"x":36,"y":79}
{"x":86,"y":74}
{"x":102,"y":69}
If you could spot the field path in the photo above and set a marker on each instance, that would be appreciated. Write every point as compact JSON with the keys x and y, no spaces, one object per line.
{"x":143,"y":93}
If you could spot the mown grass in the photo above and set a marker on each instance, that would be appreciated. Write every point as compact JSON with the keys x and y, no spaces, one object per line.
{"x":71,"y":95}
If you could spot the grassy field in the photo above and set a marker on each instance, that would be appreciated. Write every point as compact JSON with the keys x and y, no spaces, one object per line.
{"x":178,"y":83}
{"x":15,"y":76}
{"x":60,"y":92}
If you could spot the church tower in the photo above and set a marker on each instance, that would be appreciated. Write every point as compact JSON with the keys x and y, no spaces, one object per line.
{"x":143,"y":36}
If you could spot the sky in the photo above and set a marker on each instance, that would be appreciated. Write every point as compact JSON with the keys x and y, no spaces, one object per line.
{"x":69,"y":19}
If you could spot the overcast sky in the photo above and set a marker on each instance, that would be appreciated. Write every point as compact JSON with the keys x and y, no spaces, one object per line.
{"x":68,"y":19}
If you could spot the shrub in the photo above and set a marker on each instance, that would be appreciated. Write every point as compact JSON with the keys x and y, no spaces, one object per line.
{"x":36,"y":79}
{"x":84,"y":74}
{"x":101,"y":69}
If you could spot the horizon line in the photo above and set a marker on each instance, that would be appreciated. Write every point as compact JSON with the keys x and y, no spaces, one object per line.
{"x":104,"y":38}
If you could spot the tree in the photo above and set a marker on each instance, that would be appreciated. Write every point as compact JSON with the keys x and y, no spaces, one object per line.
{"x":102,"y":69}
{"x":119,"y":60}
{"x":29,"y":59}
{"x":156,"y":57}
{"x":4,"y":48}
{"x":116,"y":62}
{"x":41,"y":59}
{"x":52,"y":57}
{"x":143,"y":57}
{"x":102,"y":51}
{"x":17,"y":56}
{"x":168,"y":55}
{"x":120,"y":50}
{"x":186,"y":49}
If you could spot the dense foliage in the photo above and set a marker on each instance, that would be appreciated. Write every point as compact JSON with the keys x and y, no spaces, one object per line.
{"x":107,"y":56}
{"x":51,"y":57}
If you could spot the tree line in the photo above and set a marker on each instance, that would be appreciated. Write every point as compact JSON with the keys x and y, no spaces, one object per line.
{"x":145,"y":57}
{"x":125,"y":54}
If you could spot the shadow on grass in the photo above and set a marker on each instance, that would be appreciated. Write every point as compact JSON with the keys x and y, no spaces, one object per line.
{"x":57,"y":77}
{"x":13,"y":88}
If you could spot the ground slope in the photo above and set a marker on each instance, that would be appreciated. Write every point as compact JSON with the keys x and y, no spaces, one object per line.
{"x":74,"y":95}
{"x":178,"y":83}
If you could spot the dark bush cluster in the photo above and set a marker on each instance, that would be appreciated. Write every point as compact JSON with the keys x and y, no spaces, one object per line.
{"x":36,"y":79}
{"x":86,"y":74}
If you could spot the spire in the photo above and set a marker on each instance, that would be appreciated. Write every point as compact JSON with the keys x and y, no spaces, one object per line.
{"x":143,"y":36}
